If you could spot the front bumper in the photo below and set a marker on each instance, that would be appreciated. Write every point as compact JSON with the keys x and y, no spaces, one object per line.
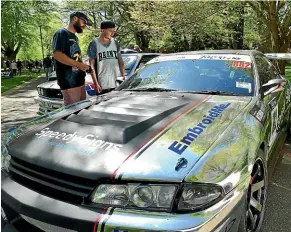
{"x":47,"y":105}
{"x":47,"y":212}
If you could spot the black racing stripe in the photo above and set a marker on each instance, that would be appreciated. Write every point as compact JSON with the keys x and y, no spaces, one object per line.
{"x":106,"y":219}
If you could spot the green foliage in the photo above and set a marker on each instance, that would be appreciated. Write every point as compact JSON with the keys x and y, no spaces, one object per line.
{"x":7,"y":84}
{"x":19,"y":22}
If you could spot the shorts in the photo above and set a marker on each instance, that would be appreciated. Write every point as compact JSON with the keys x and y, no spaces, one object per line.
{"x":74,"y":95}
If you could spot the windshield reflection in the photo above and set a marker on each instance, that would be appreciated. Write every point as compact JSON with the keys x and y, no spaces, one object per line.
{"x":195,"y":75}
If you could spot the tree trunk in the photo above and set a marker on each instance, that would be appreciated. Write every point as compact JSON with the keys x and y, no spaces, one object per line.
{"x":142,"y":40}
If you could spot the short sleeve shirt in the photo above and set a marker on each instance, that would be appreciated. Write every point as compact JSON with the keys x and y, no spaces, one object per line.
{"x":106,"y":62}
{"x":68,"y":76}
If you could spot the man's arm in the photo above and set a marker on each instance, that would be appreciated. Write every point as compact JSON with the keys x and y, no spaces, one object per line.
{"x":63,"y":58}
{"x":93,"y":75}
{"x":92,"y":53}
{"x":120,"y":60}
{"x":58,"y":47}
{"x":121,"y":65}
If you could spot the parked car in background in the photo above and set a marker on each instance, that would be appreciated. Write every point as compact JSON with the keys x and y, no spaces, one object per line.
{"x":50,"y":96}
{"x":187,"y":143}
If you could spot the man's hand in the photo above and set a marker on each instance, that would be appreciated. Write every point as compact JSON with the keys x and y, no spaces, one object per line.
{"x":123,"y":78}
{"x":82,"y":66}
{"x":98,"y":88}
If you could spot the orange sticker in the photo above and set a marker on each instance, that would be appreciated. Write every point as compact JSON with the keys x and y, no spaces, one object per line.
{"x":241,"y":64}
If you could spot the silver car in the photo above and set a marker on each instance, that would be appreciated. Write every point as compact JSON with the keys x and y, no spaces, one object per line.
{"x":49,"y":94}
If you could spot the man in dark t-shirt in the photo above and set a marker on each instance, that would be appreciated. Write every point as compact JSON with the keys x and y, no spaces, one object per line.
{"x":68,"y":61}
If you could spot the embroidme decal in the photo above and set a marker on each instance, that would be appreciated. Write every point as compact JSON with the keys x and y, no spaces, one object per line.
{"x":180,"y":146}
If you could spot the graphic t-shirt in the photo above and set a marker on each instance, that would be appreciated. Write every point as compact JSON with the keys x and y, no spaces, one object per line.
{"x":106,"y":61}
{"x":68,"y":76}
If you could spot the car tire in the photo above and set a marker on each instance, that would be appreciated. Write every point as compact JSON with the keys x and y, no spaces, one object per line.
{"x":252,"y":217}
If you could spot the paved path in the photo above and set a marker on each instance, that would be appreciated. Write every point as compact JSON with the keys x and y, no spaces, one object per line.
{"x":18,"y":106}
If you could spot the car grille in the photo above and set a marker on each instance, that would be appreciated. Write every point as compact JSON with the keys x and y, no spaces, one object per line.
{"x":53,"y":184}
{"x":50,"y":93}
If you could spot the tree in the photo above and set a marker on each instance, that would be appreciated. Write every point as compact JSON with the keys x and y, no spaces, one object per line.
{"x":276,"y":15}
{"x":19,"y":19}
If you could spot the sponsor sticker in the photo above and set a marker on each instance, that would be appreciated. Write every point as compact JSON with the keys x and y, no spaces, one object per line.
{"x":258,"y":114}
{"x":180,"y":146}
{"x":241,"y":64}
{"x":244,"y":85}
{"x":71,"y":141}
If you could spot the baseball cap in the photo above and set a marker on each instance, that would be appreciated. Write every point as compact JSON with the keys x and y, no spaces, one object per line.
{"x":107,"y":24}
{"x":81,"y":16}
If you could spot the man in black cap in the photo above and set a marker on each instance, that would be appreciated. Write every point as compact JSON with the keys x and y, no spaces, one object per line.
{"x":105,"y":59}
{"x":68,"y":61}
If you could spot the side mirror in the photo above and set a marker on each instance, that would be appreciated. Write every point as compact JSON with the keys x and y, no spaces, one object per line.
{"x":273,"y":86}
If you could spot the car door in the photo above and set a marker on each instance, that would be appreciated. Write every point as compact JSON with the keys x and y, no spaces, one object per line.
{"x":274,"y":103}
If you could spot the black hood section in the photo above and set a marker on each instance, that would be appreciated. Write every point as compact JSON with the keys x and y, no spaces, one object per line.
{"x":126,"y":122}
{"x":93,"y":142}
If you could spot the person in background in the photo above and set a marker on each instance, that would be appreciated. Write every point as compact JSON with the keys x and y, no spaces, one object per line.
{"x":161,"y":50}
{"x":14,"y":67}
{"x":47,"y":64}
{"x":105,"y":59}
{"x":70,"y":69}
{"x":137,"y":48}
{"x":19,"y":66}
{"x":7,"y":64}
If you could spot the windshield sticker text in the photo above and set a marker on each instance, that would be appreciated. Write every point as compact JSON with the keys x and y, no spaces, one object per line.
{"x":180,"y":146}
{"x":240,"y":64}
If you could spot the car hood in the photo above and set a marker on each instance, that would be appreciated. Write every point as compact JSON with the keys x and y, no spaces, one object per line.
{"x":129,"y":135}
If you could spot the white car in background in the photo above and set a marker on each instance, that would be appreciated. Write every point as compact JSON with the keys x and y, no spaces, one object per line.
{"x":50,"y":96}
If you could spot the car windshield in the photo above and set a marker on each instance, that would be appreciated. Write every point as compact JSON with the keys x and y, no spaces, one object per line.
{"x":194,"y":74}
{"x":129,"y":61}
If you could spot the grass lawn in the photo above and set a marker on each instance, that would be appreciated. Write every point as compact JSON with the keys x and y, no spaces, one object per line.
{"x":7,"y":84}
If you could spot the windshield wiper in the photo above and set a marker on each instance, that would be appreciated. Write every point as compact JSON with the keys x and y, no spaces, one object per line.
{"x":154,"y":89}
{"x":213,"y":92}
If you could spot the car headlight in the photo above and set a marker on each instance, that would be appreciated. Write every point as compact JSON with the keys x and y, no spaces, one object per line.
{"x":135,"y":195}
{"x":197,"y":196}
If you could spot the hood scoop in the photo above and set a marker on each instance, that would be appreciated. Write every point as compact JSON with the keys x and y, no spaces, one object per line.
{"x":120,"y":122}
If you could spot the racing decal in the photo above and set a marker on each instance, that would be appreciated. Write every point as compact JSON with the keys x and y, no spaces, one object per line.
{"x":240,"y":64}
{"x":90,"y":89}
{"x":118,"y":230}
{"x":221,"y":57}
{"x":241,"y":58}
{"x":274,"y":125}
{"x":244,"y":85}
{"x":180,"y":146}
{"x":273,"y":103}
{"x":258,"y":114}
{"x":89,"y":140}
{"x":148,"y":142}
{"x":182,"y":163}
{"x":99,"y":224}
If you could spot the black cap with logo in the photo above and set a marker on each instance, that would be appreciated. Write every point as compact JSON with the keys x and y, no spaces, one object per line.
{"x":81,"y":15}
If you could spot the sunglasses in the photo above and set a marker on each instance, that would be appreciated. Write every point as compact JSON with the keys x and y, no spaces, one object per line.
{"x":85,"y":25}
